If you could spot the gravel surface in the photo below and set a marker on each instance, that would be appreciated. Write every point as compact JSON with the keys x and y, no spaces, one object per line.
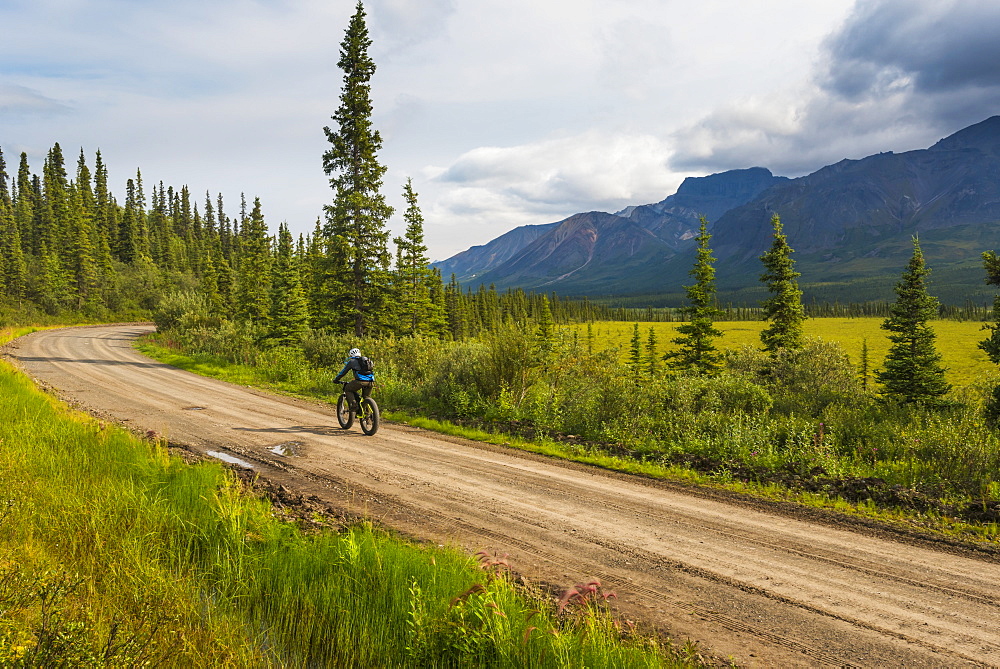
{"x":762,"y":585}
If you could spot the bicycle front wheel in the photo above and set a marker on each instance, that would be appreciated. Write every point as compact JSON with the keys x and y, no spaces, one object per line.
{"x":344,"y":414}
{"x":369,"y":416}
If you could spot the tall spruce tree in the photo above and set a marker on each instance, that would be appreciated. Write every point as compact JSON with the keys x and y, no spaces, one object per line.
{"x":82,"y":266}
{"x":253,"y":289}
{"x":355,"y":223}
{"x":913,"y":371}
{"x":13,"y":270}
{"x":417,"y":312}
{"x":545,"y":335}
{"x":697,"y":351}
{"x":289,"y":311}
{"x":26,"y":209}
{"x":784,"y":308}
{"x":55,"y":204}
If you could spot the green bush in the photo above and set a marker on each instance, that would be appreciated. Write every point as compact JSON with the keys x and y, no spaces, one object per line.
{"x":184,"y":310}
{"x":809,"y":379}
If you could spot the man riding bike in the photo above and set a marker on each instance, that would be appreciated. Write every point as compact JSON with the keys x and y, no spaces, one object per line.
{"x":364,"y":377}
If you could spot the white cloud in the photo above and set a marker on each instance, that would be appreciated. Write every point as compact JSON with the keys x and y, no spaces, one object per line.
{"x":591,"y":167}
{"x":489,"y":190}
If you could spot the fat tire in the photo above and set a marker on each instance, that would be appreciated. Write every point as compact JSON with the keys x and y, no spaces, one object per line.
{"x":344,"y":414}
{"x":370,"y":417}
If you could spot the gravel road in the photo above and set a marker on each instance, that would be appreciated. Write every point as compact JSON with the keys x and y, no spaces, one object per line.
{"x":759,"y":583}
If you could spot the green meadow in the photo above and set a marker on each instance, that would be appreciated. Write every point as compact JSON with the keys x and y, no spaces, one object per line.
{"x":956,"y":340}
{"x":115,"y":553}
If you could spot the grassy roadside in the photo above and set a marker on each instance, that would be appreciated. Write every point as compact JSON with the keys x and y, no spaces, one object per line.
{"x":928,"y":521}
{"x":113,"y":553}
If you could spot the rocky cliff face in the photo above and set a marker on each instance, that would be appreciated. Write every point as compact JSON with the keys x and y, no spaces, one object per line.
{"x":675,"y":219}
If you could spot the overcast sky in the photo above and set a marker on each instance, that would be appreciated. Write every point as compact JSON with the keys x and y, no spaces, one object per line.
{"x":503,"y":113}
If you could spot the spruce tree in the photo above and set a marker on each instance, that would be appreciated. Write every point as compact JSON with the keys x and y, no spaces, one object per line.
{"x":82,"y":266}
{"x":456,"y":309}
{"x":635,"y":348}
{"x":355,"y":223}
{"x":13,"y":270}
{"x":313,"y":266}
{"x":416,"y":310}
{"x":26,"y":208}
{"x":651,"y":357}
{"x":545,"y":335}
{"x":104,"y":205}
{"x":784,"y":308}
{"x":913,"y":371}
{"x":437,"y":321}
{"x":864,"y":367}
{"x":697,"y":351}
{"x":130,"y":246}
{"x":290,"y":312}
{"x":253,"y":289}
{"x":55,"y":204}
{"x":991,"y":345}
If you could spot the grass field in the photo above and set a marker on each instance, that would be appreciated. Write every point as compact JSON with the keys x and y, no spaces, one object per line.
{"x":956,"y":341}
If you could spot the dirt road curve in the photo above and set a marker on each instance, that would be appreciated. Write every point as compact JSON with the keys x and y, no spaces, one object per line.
{"x":763,"y":587}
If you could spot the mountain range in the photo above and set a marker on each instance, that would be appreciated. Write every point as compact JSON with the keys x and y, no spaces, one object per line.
{"x":851,"y":225}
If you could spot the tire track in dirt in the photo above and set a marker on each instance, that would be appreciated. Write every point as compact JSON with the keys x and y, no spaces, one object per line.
{"x":764,"y":588}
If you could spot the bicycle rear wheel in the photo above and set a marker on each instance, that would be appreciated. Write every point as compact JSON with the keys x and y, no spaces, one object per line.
{"x":369,"y":418}
{"x":344,"y":414}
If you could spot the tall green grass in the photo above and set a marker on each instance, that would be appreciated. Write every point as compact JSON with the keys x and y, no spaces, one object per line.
{"x":114,"y":553}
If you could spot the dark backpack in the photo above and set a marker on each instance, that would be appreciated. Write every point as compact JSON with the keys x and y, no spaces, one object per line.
{"x":365,"y":365}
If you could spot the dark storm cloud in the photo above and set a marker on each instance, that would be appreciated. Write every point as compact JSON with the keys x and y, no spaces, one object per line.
{"x":897,"y":75}
{"x":938,"y":46}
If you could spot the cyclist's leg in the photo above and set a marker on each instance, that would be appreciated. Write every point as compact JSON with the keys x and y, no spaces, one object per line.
{"x":351,"y":390}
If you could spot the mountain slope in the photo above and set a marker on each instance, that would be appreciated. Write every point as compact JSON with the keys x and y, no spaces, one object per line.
{"x":592,"y":251}
{"x":480,"y":259}
{"x":855,"y":220}
{"x":586,"y":251}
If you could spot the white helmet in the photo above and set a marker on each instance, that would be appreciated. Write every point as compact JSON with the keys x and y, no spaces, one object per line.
{"x":354,"y":353}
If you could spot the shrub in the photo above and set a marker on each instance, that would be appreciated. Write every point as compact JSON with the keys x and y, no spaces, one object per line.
{"x":183,"y":310}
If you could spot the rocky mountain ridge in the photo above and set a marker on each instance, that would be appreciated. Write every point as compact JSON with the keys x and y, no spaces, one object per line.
{"x":850,"y":223}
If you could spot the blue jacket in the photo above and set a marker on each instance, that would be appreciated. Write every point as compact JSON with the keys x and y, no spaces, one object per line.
{"x":354,"y":365}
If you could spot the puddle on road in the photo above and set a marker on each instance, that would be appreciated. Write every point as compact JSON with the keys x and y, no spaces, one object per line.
{"x":288,"y":448}
{"x":231,"y":459}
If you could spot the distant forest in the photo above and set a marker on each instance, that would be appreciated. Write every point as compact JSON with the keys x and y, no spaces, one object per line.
{"x":69,"y":250}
